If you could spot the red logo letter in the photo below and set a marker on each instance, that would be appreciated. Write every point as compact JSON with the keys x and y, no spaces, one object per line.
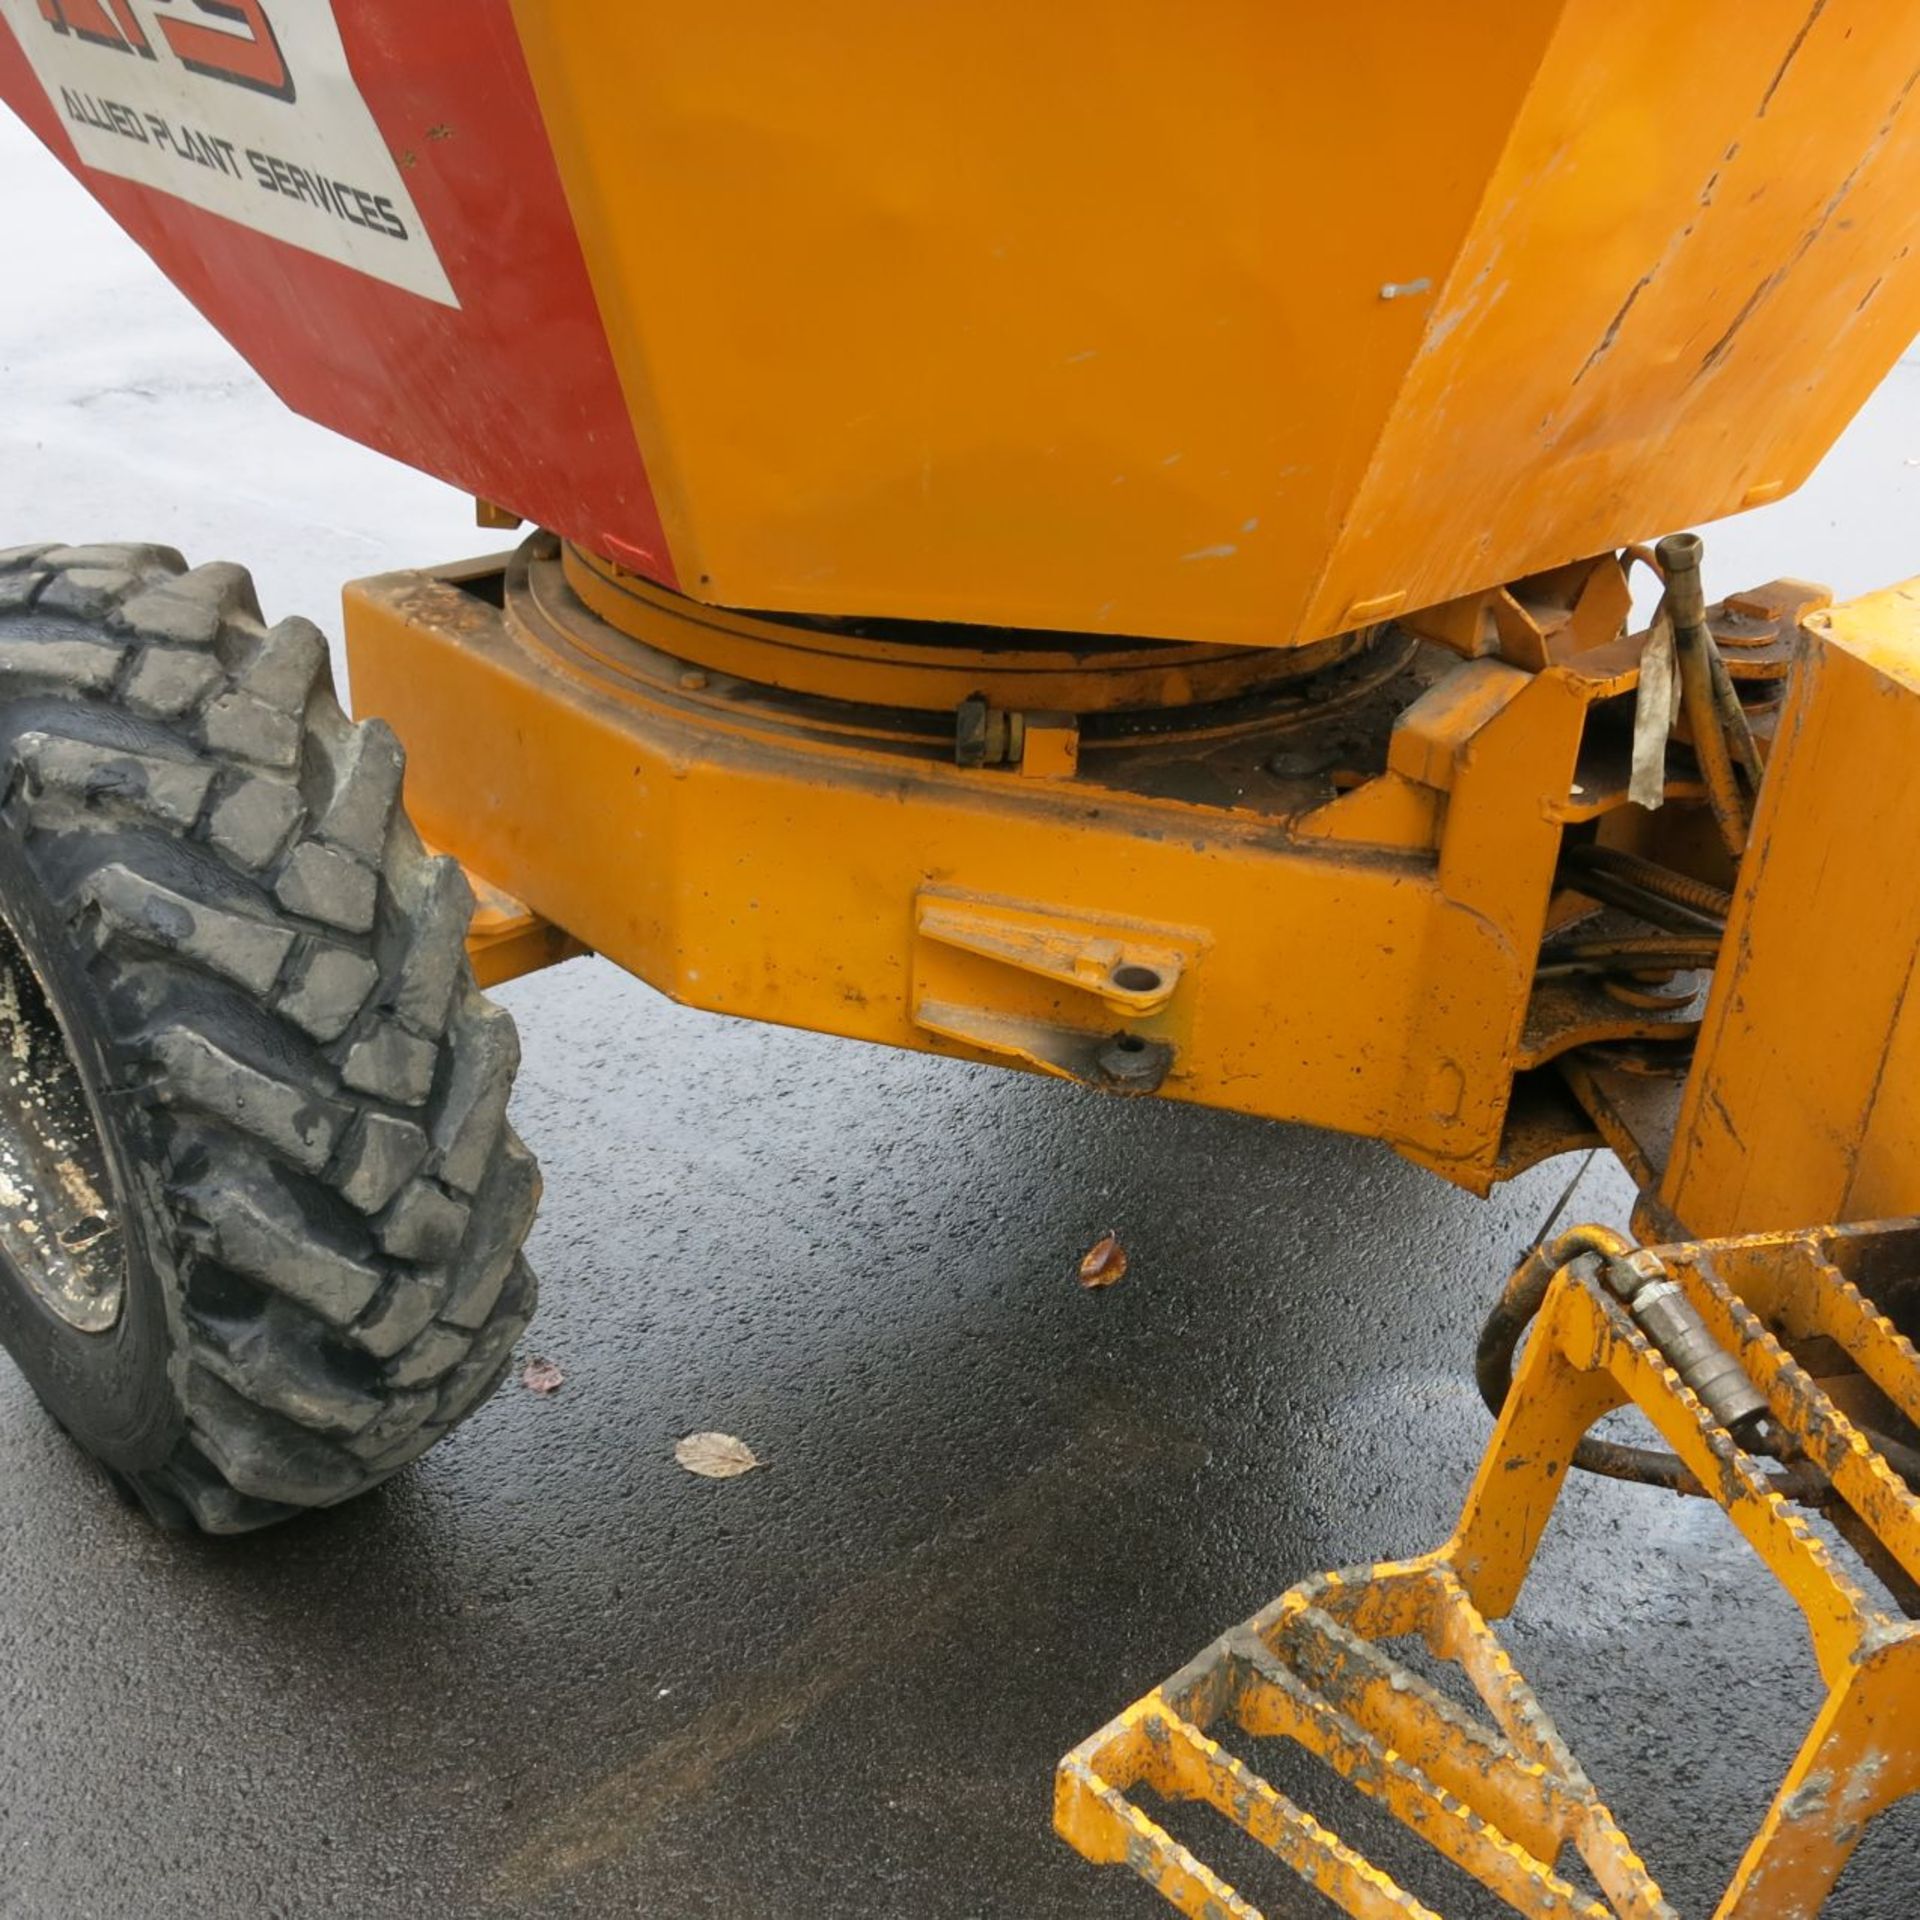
{"x":249,"y":57}
{"x":89,"y":20}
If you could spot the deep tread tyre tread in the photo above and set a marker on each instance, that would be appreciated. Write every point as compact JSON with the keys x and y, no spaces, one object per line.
{"x":283,"y":973}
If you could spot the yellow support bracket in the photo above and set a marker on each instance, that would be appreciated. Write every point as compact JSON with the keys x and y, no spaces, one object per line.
{"x":506,"y":938}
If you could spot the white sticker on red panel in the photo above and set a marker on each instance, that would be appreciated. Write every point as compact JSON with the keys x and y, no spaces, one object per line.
{"x":246,"y":108}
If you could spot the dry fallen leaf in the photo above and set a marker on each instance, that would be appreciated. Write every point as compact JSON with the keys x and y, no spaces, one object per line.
{"x":541,"y":1376}
{"x":716,"y":1456}
{"x":1104,"y":1262}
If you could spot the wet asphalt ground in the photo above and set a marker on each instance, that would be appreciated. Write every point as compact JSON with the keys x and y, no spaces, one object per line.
{"x":547,"y":1672}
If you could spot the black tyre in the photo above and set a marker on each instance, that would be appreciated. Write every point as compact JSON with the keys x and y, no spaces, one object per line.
{"x":260,"y":1208}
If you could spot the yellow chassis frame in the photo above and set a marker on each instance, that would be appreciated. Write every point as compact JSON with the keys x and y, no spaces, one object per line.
{"x":859,"y":882}
{"x":1356,"y":953}
{"x":1354,"y":950}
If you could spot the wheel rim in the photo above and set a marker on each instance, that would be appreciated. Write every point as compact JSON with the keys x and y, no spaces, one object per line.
{"x":58,"y":1231}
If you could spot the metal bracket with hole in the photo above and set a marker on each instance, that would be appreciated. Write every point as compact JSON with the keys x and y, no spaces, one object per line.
{"x":1092,"y":998}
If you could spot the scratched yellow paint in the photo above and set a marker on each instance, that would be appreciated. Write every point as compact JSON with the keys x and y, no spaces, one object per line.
{"x":1226,"y":322}
{"x":1806,"y":1102}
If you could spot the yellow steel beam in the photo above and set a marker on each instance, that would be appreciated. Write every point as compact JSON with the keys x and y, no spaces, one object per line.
{"x":1804,"y":1102}
{"x":506,"y":938}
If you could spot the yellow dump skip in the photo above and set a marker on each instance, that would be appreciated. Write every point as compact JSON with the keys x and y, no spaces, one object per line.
{"x":1229,"y":322}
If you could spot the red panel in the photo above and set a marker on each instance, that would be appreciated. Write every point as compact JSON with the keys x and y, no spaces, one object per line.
{"x":513,"y":395}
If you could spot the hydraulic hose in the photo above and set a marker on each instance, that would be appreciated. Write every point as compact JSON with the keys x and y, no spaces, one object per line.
{"x":1687,"y":607}
{"x":1518,"y":1306}
{"x":1515,"y":1311}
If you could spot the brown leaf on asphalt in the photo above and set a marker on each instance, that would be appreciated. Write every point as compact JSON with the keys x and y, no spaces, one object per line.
{"x":541,"y":1376}
{"x":716,"y":1456}
{"x":1104,"y":1262}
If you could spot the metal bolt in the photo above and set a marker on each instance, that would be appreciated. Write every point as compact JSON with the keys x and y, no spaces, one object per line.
{"x":970,"y":731}
{"x":1130,"y":1064}
{"x":986,"y":736}
{"x":1301,"y":763}
{"x":1679,"y":557}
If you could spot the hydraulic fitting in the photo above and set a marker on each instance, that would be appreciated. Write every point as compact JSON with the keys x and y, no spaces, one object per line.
{"x":1672,"y":1322}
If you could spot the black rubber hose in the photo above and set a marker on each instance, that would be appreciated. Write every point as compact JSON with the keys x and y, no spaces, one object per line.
{"x":1516,"y":1309}
{"x":1513,"y":1313}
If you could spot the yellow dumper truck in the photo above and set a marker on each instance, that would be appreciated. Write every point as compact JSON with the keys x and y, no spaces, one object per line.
{"x":1094,"y":537}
